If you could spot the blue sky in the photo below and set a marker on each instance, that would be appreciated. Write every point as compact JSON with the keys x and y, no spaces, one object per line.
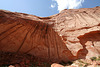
{"x":45,"y":8}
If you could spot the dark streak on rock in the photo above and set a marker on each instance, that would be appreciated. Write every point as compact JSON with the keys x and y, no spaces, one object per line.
{"x":23,"y":41}
{"x":10,"y":33}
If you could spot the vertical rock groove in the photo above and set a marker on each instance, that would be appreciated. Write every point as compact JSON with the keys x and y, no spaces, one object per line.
{"x":23,"y":41}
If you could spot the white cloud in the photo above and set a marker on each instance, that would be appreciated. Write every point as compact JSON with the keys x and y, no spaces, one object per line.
{"x":53,"y":5}
{"x":68,"y":4}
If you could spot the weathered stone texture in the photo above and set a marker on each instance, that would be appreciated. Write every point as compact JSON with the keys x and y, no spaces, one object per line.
{"x":69,"y":35}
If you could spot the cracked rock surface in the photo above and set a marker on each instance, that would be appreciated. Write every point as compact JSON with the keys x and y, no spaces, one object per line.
{"x":71,"y":34}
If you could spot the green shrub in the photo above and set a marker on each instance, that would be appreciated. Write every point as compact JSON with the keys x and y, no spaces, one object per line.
{"x":80,"y":61}
{"x":93,"y":58}
{"x":98,"y":58}
{"x":80,"y":65}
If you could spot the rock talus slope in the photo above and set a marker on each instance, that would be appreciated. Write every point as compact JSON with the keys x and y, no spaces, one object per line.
{"x":69,"y":35}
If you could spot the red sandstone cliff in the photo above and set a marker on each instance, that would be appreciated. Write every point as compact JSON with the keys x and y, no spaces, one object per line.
{"x":69,"y":35}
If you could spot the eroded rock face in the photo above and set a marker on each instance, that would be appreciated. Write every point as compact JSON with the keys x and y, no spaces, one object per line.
{"x":69,"y":35}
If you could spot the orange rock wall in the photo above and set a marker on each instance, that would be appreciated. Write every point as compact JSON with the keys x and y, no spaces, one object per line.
{"x":69,"y":35}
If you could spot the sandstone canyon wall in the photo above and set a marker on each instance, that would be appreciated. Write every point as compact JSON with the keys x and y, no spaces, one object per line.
{"x":69,"y":35}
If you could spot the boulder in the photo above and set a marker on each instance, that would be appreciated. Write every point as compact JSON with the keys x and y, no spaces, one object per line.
{"x":56,"y":65}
